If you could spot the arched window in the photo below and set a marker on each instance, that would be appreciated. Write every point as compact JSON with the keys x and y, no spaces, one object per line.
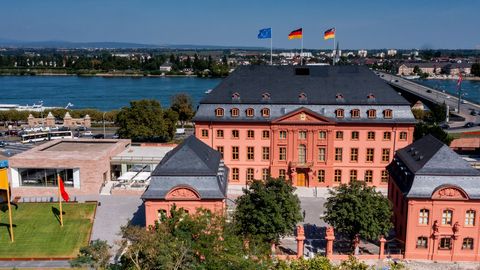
{"x":423,"y":216}
{"x":470,"y":218}
{"x":372,"y":113}
{"x":266,"y":112}
{"x":302,"y":153}
{"x":219,"y":112}
{"x":355,"y":113}
{"x":339,"y":113}
{"x":235,"y":112}
{"x":250,"y":112}
{"x":388,"y":114}
{"x":447,"y":217}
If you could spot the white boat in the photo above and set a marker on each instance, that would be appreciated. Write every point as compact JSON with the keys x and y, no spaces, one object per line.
{"x":33,"y":108}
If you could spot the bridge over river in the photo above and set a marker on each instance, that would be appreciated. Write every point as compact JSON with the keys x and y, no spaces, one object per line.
{"x":413,"y":92}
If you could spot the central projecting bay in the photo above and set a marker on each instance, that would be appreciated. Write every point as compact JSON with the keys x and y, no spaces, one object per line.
{"x":98,"y":92}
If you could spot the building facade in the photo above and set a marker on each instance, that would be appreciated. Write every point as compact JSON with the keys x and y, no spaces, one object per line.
{"x":191,"y":176}
{"x":317,"y":125}
{"x":83,"y":164}
{"x":436,"y":201}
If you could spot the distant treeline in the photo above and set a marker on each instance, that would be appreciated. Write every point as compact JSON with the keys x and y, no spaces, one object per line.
{"x":107,"y":62}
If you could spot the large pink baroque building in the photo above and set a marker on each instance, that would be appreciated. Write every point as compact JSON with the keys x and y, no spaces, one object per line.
{"x":436,"y":200}
{"x":315,"y":125}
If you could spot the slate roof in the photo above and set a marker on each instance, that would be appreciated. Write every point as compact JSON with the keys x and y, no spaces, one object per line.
{"x":320,"y":86}
{"x":191,"y":164}
{"x":192,"y":157}
{"x":427,"y":164}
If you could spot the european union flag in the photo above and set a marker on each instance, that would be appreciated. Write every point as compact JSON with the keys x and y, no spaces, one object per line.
{"x":265,"y":33}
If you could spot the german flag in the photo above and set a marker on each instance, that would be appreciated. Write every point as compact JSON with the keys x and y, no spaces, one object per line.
{"x":295,"y":34}
{"x":330,"y":33}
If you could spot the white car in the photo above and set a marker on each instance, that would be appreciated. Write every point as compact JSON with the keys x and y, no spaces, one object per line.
{"x":88,"y":133}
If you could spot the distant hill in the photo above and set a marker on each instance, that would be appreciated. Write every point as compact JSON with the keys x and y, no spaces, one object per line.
{"x":107,"y":45}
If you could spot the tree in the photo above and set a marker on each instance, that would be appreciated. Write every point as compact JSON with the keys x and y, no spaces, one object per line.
{"x":422,"y":129}
{"x":358,"y":209}
{"x":181,"y":241}
{"x":183,"y":105}
{"x":475,"y":69}
{"x":267,"y":210}
{"x":316,"y":263}
{"x":416,"y":70}
{"x":96,"y":255}
{"x":145,"y":120}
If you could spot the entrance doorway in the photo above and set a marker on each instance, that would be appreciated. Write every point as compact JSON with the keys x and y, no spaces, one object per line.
{"x":301,"y":179}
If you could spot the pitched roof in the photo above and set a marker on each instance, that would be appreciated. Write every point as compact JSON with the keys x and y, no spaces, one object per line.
{"x":319,"y":84}
{"x":191,"y":158}
{"x":430,"y":164}
{"x":428,"y":155}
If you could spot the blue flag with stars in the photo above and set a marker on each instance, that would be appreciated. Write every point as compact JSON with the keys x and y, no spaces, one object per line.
{"x":265,"y":33}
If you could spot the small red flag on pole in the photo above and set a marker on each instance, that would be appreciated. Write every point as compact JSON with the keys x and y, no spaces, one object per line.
{"x":61,"y":193}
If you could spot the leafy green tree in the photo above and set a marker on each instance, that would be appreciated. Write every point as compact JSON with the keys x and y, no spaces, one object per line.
{"x":475,"y":69}
{"x":182,"y":104}
{"x":96,"y":255}
{"x":422,"y":129}
{"x":267,"y":210}
{"x":417,"y":70}
{"x":181,"y":241}
{"x":352,"y":264}
{"x":316,"y":263}
{"x":145,"y":120}
{"x":358,"y":209}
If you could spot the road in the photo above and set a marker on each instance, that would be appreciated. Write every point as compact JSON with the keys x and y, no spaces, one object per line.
{"x":436,"y":96}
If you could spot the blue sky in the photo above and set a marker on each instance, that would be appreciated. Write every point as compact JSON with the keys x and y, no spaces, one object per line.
{"x":360,"y":24}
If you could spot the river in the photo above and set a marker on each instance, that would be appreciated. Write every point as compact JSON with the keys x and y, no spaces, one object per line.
{"x":98,"y":92}
{"x":470,"y":89}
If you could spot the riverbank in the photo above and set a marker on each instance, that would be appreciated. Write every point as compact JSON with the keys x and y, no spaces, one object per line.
{"x":106,"y":75}
{"x":449,"y":77}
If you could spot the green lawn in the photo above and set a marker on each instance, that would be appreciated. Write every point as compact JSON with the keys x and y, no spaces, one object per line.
{"x":38,"y":232}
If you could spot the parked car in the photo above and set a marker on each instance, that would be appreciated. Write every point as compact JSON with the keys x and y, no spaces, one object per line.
{"x":88,"y":133}
{"x":3,"y":144}
{"x":445,"y":126}
{"x":115,"y":136}
{"x":82,"y":128}
{"x":11,"y":132}
{"x":429,"y":91}
{"x":98,"y":136}
{"x":469,"y":125}
{"x":473,"y":112}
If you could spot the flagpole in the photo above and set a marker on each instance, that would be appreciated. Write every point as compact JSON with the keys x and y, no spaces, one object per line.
{"x":271,"y":45}
{"x":301,"y":51}
{"x":60,"y":200}
{"x":334,"y":53}
{"x":10,"y":214}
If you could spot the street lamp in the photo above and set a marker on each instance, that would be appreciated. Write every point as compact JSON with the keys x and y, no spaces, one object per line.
{"x":103,"y":118}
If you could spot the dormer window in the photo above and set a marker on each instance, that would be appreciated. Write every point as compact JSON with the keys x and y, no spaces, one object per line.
{"x":355,"y":113}
{"x":372,"y":113}
{"x":302,"y":97}
{"x":235,"y":112}
{"x":388,"y":114}
{"x":235,"y":96}
{"x":339,"y":113}
{"x":371,"y":97}
{"x":266,"y":96}
{"x":266,"y":112}
{"x":339,"y":97}
{"x":219,"y":112}
{"x":249,"y":112}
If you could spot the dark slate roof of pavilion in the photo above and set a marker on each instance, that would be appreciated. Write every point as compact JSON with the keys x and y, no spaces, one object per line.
{"x":431,"y":165}
{"x":321,"y":86}
{"x":191,"y":158}
{"x":428,"y":155}
{"x":191,"y":164}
